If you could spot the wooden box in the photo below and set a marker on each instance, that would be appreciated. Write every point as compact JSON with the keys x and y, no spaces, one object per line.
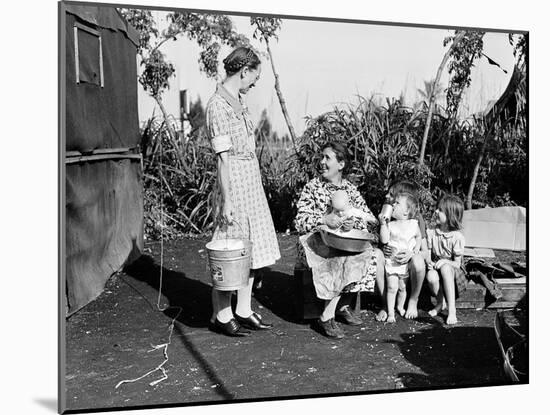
{"x":476,"y":295}
{"x":306,"y":304}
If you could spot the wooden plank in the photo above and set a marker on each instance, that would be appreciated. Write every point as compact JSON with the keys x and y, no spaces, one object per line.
{"x":475,"y":296}
{"x":511,"y":281}
{"x":101,"y":151}
{"x":469,"y":304}
{"x":97,"y":157}
{"x":502,"y":304}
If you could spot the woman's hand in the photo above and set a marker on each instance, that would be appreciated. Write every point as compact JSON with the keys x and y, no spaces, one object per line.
{"x":227,"y":212}
{"x":347,"y":224}
{"x":403,"y":257}
{"x":332,"y":221}
{"x":389,"y":251}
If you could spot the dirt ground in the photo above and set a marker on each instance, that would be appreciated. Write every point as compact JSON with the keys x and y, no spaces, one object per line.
{"x":114,"y":337}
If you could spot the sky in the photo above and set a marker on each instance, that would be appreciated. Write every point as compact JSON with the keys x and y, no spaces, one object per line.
{"x":326,"y":63}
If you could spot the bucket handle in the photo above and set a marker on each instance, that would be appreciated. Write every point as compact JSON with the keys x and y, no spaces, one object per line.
{"x":243,"y":252}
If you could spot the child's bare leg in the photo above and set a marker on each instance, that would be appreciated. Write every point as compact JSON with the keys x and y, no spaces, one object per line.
{"x":433,"y":281}
{"x":391,"y":292}
{"x":417,"y":272}
{"x":448,"y":278}
{"x":401,"y":296}
{"x":381,"y":284}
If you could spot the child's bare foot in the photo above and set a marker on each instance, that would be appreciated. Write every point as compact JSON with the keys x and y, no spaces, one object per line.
{"x":412,"y":311}
{"x":437,"y":309}
{"x":382,"y":315}
{"x":391,"y":318}
{"x":451,"y":317}
{"x":401,"y":311}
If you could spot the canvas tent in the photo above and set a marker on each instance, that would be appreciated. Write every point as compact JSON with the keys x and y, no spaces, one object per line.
{"x":100,"y":135}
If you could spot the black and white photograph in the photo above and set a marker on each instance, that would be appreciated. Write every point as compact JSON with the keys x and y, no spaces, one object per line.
{"x":256,"y":207}
{"x":360,"y":187}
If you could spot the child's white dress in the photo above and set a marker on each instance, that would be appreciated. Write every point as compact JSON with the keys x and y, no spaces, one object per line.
{"x":403,"y":237}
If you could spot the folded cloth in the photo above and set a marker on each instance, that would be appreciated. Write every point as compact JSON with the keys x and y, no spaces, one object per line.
{"x":488,"y":282}
{"x":333,"y":270}
{"x":483,"y":266}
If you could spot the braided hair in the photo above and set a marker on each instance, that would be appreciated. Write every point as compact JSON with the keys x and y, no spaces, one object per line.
{"x":240,"y":57}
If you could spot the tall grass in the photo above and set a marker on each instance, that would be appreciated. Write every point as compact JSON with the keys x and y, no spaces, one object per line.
{"x":383,"y":141}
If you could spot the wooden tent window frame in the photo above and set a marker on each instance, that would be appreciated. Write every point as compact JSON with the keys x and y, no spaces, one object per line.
{"x":95,"y":33}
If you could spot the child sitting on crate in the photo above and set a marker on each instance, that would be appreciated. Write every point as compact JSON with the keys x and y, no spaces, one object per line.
{"x":401,"y":233}
{"x":444,"y":257}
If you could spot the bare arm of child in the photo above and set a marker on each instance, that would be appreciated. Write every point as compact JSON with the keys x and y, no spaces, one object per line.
{"x":456,"y":262}
{"x":427,"y":245}
{"x":358,"y":202}
{"x":418,"y":241}
{"x":384,"y":232}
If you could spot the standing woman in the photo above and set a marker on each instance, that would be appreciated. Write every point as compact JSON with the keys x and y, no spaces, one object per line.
{"x":242,"y":197}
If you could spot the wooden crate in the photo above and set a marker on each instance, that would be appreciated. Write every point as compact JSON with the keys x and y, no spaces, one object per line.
{"x":306,"y":304}
{"x":476,"y":295}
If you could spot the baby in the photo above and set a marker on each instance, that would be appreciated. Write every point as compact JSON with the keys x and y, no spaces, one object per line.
{"x":401,"y":233}
{"x":342,"y":208}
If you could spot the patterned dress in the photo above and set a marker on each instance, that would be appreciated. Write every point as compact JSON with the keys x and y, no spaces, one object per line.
{"x":448,"y":245}
{"x":314,"y":203}
{"x":230,"y":129}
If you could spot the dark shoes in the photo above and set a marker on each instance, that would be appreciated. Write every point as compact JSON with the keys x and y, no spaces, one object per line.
{"x":231,"y":328}
{"x":330,"y":328}
{"x":253,"y":322}
{"x":348,"y":317}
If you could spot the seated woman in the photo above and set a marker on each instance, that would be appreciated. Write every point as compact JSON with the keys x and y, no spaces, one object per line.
{"x":315,"y":210}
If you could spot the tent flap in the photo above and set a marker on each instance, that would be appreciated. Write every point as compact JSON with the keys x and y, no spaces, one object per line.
{"x":104,"y":224}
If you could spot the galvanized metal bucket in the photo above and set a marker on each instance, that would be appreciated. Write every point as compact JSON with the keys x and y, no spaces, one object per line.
{"x":229,"y":260}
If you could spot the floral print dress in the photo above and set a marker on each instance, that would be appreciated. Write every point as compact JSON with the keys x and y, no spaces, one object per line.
{"x":314,"y":203}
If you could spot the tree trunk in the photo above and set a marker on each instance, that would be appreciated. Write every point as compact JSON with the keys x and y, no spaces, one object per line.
{"x":457,"y":39}
{"x":171,"y":131}
{"x":172,"y":134}
{"x":281,"y":98}
{"x":475,"y":173}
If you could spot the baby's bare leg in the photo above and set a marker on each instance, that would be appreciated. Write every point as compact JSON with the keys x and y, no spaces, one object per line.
{"x":381,"y":284}
{"x":391,"y":292}
{"x":401,"y":296}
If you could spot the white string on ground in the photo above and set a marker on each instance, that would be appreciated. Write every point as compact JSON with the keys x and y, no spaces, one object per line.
{"x":163,"y":346}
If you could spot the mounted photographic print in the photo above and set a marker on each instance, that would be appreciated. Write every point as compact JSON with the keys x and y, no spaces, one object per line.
{"x":259,"y":207}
